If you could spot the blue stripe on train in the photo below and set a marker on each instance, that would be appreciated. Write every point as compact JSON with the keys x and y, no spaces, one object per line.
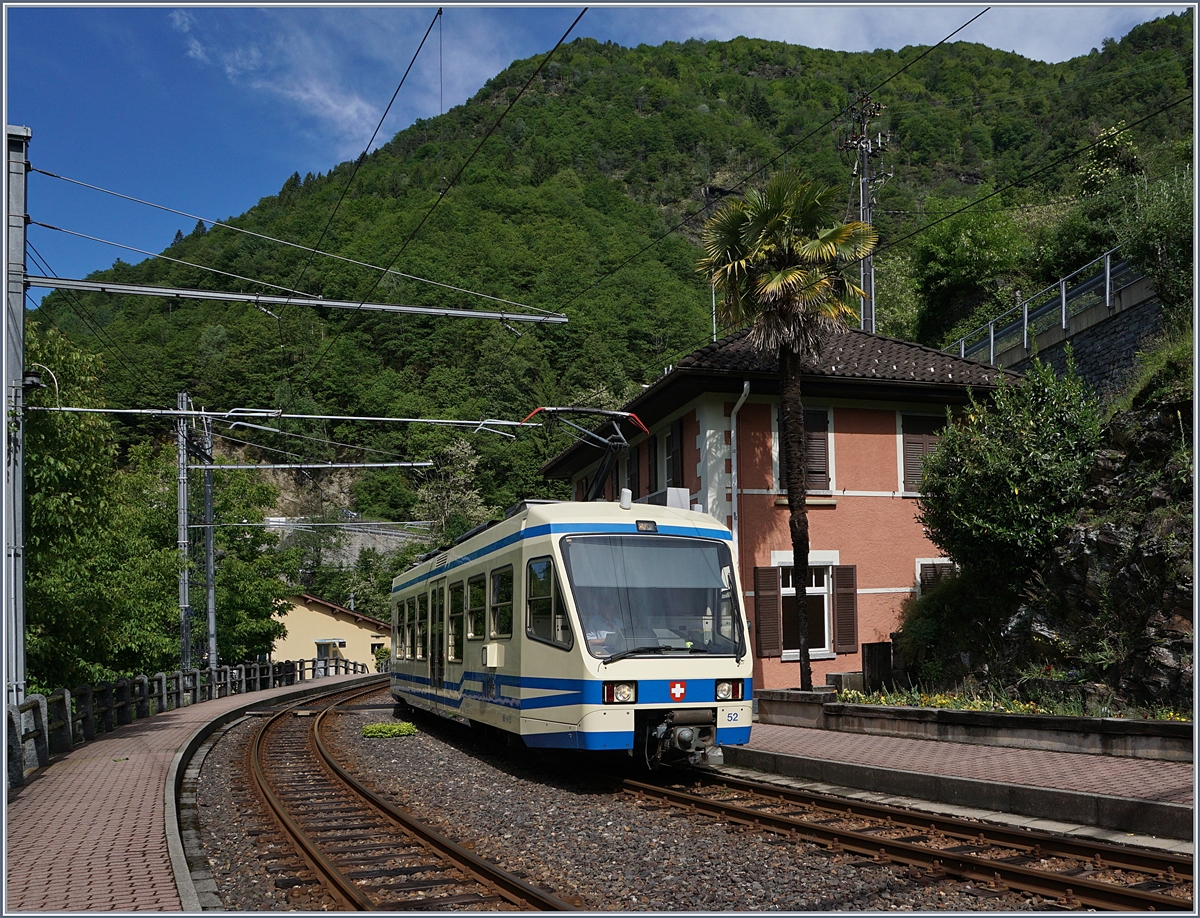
{"x":570,"y":691}
{"x":533,"y":532}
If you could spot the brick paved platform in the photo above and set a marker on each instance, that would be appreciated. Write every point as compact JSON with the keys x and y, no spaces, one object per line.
{"x":89,"y":832}
{"x":1123,"y":794}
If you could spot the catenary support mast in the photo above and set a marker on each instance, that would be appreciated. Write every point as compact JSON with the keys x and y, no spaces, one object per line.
{"x":14,"y":427}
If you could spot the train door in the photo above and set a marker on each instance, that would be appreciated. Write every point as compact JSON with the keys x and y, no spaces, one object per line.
{"x":437,"y":636}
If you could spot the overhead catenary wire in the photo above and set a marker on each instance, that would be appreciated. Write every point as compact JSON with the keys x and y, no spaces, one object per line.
{"x":127,"y":364}
{"x":178,"y":261}
{"x":413,"y":234}
{"x":295,"y":245}
{"x":367,"y":149}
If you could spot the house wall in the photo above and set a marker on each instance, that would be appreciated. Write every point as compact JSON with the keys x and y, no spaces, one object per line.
{"x":864,"y":520}
{"x":308,"y":621}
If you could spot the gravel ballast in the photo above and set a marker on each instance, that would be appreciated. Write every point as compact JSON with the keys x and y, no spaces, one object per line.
{"x":550,"y":819}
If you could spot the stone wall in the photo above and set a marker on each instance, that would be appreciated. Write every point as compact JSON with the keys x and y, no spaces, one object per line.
{"x":1104,"y":352}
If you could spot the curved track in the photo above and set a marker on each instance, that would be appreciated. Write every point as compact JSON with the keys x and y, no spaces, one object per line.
{"x":1071,"y":872}
{"x":361,"y":850}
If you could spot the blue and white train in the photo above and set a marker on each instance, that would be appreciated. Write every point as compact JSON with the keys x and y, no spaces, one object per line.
{"x":582,"y":626}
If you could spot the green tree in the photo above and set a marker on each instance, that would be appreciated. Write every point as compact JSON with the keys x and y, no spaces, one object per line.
{"x":782,"y":261}
{"x":1007,"y":476}
{"x":1155,"y":230}
{"x":101,"y":564}
{"x":450,"y":499}
{"x":961,"y":262}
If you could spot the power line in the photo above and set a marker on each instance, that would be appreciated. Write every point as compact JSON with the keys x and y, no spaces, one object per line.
{"x":1025,"y":178}
{"x":127,"y":364}
{"x":362,"y":156}
{"x":177,"y":261}
{"x":287,"y":433}
{"x":295,"y":245}
{"x":687,"y":219}
{"x":413,"y":235}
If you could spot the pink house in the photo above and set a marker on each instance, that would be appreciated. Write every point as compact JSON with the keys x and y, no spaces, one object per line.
{"x":873,"y":407}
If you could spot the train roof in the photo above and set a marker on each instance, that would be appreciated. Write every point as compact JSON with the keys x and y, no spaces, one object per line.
{"x":564,"y":511}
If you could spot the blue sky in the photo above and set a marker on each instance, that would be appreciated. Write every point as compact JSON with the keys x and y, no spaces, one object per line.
{"x":208,"y":109}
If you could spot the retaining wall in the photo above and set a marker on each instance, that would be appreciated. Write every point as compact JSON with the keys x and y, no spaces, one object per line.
{"x":1139,"y":739}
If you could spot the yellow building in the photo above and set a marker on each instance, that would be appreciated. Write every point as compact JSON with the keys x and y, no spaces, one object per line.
{"x":323,"y":630}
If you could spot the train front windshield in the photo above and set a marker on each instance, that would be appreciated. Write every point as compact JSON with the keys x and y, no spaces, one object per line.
{"x":653,"y":594}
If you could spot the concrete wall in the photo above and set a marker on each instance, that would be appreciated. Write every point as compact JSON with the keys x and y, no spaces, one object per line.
{"x":1104,"y":352}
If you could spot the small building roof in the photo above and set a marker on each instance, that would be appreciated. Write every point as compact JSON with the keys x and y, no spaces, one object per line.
{"x":334,"y":607}
{"x":852,"y":364}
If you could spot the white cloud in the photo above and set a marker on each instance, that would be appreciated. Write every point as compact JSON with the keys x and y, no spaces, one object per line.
{"x":240,"y":61}
{"x":195,"y":50}
{"x":181,"y":20}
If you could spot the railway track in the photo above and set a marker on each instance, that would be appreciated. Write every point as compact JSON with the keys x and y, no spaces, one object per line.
{"x":358,"y":849}
{"x":1071,"y":873}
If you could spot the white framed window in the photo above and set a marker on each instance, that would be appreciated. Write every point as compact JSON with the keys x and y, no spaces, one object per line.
{"x":819,"y":613}
{"x":931,"y":571}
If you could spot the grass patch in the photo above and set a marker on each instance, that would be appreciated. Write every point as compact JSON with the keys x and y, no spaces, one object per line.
{"x":404,"y":728}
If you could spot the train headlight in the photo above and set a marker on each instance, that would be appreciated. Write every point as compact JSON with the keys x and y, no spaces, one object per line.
{"x":729,"y":691}
{"x":620,"y":692}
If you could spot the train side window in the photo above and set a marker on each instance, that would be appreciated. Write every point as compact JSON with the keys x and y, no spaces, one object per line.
{"x":455,"y":637}
{"x":422,"y":624}
{"x":410,"y":623}
{"x":476,"y":607}
{"x":546,"y":618}
{"x":502,"y":603}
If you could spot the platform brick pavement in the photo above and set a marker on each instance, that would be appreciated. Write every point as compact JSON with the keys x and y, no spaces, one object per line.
{"x":1139,"y":779}
{"x":88,"y":833}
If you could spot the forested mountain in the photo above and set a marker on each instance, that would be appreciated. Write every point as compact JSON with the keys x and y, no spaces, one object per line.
{"x":608,"y":149}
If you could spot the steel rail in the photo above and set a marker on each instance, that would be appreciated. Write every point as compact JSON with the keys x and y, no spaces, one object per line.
{"x":1113,"y":856}
{"x":326,"y":871}
{"x":510,"y":887}
{"x":995,"y":874}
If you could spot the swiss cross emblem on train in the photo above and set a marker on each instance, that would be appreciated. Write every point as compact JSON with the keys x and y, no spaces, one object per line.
{"x":678,"y":690}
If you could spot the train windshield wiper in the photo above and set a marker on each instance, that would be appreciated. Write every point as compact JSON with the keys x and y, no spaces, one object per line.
{"x":651,"y":648}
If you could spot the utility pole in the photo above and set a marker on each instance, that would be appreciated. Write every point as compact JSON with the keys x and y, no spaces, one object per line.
{"x":210,"y":582}
{"x":14,"y":425}
{"x":856,"y":137}
{"x":185,"y":606}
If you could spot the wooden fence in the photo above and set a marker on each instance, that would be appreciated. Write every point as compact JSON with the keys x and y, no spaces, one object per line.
{"x":42,"y":726}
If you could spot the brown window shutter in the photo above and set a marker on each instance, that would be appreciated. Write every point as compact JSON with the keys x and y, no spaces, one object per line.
{"x":914,"y":455}
{"x":652,"y":464}
{"x":816,"y":446}
{"x":768,"y":612}
{"x":933,"y":574}
{"x":632,"y":471}
{"x":920,"y":439}
{"x":675,"y":456}
{"x":845,"y":609}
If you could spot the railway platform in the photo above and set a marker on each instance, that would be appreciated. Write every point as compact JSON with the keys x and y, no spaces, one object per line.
{"x":1109,"y":798}
{"x":90,"y":832}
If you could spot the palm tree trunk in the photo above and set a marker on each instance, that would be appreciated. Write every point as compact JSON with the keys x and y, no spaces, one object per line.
{"x":791,"y":436}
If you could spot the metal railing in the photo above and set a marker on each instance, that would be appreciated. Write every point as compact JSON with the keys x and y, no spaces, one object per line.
{"x":1094,"y":283}
{"x":42,"y":726}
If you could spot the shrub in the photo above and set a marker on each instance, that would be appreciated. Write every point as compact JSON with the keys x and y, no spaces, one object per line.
{"x":1008,"y":476}
{"x":403,"y":728}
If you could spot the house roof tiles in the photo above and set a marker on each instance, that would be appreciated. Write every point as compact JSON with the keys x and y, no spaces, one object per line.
{"x":853,"y":353}
{"x":852,"y":363}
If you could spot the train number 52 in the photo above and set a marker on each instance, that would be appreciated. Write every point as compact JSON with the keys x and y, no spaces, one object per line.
{"x":731,"y":716}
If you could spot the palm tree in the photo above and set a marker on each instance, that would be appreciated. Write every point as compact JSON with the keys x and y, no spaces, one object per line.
{"x":780,"y":257}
